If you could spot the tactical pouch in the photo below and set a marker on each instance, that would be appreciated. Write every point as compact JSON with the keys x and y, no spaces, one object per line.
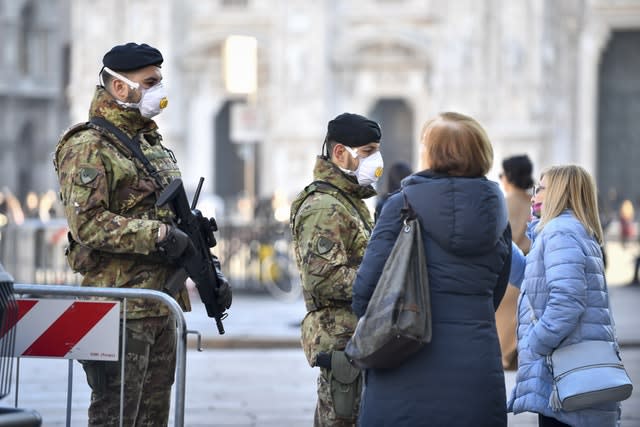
{"x":100,"y":373}
{"x":345,"y":382}
{"x":81,"y":259}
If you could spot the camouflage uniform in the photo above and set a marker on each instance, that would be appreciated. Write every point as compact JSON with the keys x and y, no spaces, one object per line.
{"x":109,"y":201}
{"x":330,"y":231}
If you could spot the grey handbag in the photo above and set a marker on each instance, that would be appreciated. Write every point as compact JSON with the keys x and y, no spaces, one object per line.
{"x":397,"y":322}
{"x":587,"y":374}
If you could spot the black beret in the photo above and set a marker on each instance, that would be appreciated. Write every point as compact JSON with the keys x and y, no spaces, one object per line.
{"x":131,"y":56}
{"x":353,"y":130}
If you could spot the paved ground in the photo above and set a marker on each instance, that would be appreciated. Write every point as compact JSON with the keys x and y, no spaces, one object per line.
{"x":239,"y":388}
{"x":257,"y":321}
{"x":256,"y":374}
{"x":241,"y":380}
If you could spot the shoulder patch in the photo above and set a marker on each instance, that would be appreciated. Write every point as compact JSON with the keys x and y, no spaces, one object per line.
{"x":87,"y":174}
{"x":324,"y":245}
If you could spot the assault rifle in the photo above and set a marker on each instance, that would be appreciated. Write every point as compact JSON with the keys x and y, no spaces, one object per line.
{"x":197,"y":261}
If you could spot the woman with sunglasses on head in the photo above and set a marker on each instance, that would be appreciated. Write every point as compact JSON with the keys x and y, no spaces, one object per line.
{"x":564,"y":298}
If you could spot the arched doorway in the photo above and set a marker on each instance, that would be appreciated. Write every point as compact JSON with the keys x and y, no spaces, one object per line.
{"x":618,"y":120}
{"x":230,"y":159}
{"x":396,"y":120}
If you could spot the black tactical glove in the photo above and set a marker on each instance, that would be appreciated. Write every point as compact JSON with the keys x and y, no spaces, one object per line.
{"x":174,"y":244}
{"x":223,"y":292}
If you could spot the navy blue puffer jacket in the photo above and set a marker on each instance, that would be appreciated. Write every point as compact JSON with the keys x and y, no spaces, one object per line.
{"x":457,"y":379}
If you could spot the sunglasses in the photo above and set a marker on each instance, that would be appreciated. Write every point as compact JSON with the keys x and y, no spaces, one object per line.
{"x":538,"y":188}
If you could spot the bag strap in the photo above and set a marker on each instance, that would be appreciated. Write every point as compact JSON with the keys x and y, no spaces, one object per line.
{"x":613,"y":322}
{"x":534,"y":318}
{"x":131,"y":144}
{"x":407,"y":213}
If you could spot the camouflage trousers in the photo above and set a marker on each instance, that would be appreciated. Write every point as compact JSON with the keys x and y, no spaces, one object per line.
{"x":325,"y":414}
{"x":150,"y":363}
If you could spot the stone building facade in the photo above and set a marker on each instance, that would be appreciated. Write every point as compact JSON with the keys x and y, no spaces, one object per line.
{"x":530,"y":71}
{"x":34,"y":72}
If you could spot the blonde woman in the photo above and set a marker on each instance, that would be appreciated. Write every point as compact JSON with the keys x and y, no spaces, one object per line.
{"x":564,"y":284}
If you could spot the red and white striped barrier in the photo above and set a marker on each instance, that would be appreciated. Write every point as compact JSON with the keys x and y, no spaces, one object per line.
{"x":66,"y":328}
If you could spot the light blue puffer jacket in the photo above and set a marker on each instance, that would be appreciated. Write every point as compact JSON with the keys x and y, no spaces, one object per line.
{"x":564,"y":284}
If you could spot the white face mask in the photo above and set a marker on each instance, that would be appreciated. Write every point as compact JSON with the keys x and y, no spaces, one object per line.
{"x":152,"y":100}
{"x":369,"y":169}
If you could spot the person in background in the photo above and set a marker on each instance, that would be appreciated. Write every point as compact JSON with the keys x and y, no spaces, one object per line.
{"x":563,"y":286}
{"x":626,"y":215}
{"x":331,"y":224}
{"x":396,"y":173}
{"x":516,"y":179}
{"x":457,"y":379}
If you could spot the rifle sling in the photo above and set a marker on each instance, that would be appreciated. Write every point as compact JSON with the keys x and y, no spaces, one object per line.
{"x":177,"y":280}
{"x":131,"y":144}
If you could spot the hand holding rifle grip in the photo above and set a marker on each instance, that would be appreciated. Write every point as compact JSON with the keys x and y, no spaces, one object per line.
{"x":199,"y":265}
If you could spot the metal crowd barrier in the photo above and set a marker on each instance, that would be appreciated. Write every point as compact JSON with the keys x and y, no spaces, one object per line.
{"x":123,"y":294}
{"x":15,"y":417}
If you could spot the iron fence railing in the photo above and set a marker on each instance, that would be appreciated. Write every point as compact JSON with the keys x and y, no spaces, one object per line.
{"x":255,"y":257}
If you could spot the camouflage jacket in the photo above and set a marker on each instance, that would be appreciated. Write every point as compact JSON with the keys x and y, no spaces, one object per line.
{"x":331,"y":225}
{"x":109,"y":201}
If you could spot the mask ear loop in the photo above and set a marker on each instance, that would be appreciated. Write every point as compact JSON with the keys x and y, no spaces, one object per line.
{"x":132,"y":85}
{"x":100,"y":82}
{"x":325,"y":152}
{"x":354,"y":153}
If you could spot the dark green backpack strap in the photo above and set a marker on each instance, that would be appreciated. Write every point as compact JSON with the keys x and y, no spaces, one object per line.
{"x":132,"y":145}
{"x":295,"y":207}
{"x":327,"y":185}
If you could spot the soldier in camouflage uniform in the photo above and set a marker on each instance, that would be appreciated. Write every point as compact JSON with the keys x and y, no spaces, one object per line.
{"x":119,"y":238}
{"x":331,"y":226}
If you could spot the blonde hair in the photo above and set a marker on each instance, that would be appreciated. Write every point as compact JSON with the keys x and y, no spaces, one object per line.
{"x":457,"y":145}
{"x":571,"y":187}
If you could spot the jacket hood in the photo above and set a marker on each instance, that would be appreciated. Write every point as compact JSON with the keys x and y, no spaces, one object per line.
{"x":466,"y":216}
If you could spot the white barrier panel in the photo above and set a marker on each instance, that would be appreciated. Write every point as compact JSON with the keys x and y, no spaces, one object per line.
{"x":68,"y":329}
